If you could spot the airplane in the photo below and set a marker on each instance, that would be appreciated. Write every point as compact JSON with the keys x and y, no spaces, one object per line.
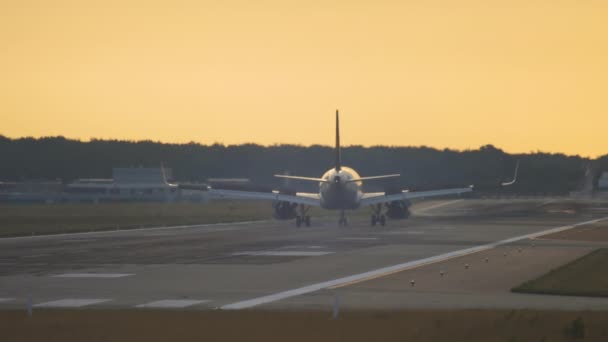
{"x":340,"y":188}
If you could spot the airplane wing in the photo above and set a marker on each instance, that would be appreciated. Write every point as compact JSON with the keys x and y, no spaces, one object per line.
{"x":299,"y":197}
{"x":381,"y":197}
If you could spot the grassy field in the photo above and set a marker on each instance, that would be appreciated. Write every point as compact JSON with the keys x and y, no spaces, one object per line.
{"x":445,"y":325}
{"x":586,"y":276}
{"x":20,"y":220}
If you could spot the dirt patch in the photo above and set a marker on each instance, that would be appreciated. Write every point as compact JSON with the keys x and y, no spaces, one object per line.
{"x":585,"y":276}
{"x":453,"y":325}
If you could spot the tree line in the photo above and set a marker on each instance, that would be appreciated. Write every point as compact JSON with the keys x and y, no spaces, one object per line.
{"x":51,"y":158}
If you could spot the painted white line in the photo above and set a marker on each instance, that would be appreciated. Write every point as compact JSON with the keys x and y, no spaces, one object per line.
{"x":282,"y":253}
{"x":391,"y":269}
{"x":92,"y":275}
{"x":171,"y":303}
{"x":358,"y":238}
{"x":71,"y":303}
{"x":134,"y":230}
{"x":439,"y":205}
{"x":80,"y":240}
{"x":2,"y":300}
{"x":301,"y":246}
{"x":406,"y":232}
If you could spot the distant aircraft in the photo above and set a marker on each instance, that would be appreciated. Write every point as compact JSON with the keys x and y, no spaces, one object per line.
{"x":340,"y":188}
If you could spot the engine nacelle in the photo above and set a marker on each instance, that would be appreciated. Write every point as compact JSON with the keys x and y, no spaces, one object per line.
{"x":398,"y":210}
{"x":284,"y":210}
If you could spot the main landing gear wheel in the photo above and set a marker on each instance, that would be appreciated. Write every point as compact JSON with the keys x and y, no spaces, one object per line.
{"x":302,"y":220}
{"x":342,"y":221}
{"x":377,"y":216}
{"x":381,"y":219}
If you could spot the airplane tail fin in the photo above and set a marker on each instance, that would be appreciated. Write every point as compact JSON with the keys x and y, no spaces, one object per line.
{"x":163,"y":173}
{"x":514,"y":176}
{"x":338,"y":152}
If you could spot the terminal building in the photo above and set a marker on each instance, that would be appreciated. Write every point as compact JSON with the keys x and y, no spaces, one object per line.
{"x":127,"y":184}
{"x":133,"y":184}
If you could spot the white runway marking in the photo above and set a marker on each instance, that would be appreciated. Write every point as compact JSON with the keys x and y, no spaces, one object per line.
{"x":80,"y":240}
{"x":282,"y":253}
{"x":2,"y":300}
{"x":406,"y":232}
{"x":71,"y":303}
{"x":92,"y":275}
{"x":358,"y":238}
{"x":161,"y":234}
{"x":384,"y":271}
{"x":171,"y":303}
{"x":301,"y":246}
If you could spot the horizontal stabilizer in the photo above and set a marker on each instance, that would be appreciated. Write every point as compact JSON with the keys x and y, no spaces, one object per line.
{"x":373,"y":177}
{"x":310,"y":179}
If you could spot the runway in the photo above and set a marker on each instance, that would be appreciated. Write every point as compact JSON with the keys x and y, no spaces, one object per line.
{"x":450,"y":254}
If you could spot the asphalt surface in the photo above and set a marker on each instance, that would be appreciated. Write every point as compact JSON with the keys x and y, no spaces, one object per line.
{"x":274,"y":265}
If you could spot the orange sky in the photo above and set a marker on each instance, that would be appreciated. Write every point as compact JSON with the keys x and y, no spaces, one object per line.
{"x":522,"y":75}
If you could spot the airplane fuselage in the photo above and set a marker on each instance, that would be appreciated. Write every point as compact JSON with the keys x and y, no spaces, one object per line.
{"x":339,"y":192}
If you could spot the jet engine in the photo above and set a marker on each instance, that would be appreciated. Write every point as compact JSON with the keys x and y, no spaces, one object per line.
{"x":398,"y":210}
{"x":284,"y":210}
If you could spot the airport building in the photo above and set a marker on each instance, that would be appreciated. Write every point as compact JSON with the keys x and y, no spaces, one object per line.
{"x":127,"y":184}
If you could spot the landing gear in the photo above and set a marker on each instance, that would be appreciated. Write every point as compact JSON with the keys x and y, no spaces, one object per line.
{"x":377,"y":216}
{"x":342,"y":221}
{"x":381,"y":219}
{"x":303,"y":218}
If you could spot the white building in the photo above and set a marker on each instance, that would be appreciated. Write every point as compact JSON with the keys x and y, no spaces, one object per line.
{"x":147,"y":184}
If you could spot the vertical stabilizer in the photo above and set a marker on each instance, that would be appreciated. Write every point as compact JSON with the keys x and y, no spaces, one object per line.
{"x":338,"y":159}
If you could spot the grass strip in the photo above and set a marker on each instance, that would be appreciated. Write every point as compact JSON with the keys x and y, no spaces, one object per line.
{"x":585,"y":276}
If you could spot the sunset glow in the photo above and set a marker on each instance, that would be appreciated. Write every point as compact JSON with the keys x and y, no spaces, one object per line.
{"x":522,"y":75}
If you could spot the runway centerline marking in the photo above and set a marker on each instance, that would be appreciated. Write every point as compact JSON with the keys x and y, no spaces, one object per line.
{"x":171,"y":303}
{"x":281,"y":253}
{"x":71,"y":303}
{"x":384,"y":271}
{"x":79,"y":240}
{"x":92,"y":275}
